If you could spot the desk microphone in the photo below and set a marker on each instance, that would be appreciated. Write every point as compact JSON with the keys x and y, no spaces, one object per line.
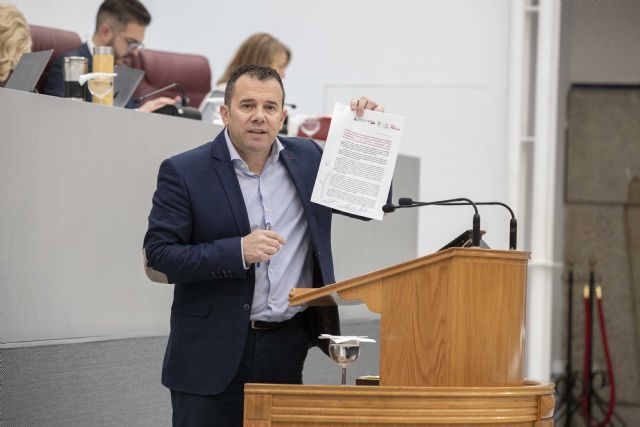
{"x":406,"y":202}
{"x":184,"y":99}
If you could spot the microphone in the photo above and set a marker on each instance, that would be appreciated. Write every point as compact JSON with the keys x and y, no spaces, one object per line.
{"x":513,"y":223}
{"x":407,"y":202}
{"x":184,"y":98}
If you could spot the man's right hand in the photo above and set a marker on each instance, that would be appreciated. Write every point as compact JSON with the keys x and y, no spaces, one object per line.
{"x":261,"y":245}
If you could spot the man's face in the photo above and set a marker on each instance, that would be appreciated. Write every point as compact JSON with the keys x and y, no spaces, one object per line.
{"x":255,"y":116}
{"x":126,"y":42}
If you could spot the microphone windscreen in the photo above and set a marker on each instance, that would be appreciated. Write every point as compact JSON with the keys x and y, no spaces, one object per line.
{"x":405,"y":201}
{"x":513,"y":233}
{"x":388,"y":208}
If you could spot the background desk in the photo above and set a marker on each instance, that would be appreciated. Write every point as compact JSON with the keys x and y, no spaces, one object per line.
{"x":82,"y":331}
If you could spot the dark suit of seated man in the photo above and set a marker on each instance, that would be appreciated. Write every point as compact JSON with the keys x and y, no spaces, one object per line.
{"x":233,"y":226}
{"x":55,"y":81}
{"x":120,"y":24}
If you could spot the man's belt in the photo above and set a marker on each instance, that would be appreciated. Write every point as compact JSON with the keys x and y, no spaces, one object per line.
{"x":261,"y":325}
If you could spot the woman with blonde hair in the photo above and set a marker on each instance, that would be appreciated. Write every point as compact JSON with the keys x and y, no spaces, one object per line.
{"x":15,"y":39}
{"x":259,"y":49}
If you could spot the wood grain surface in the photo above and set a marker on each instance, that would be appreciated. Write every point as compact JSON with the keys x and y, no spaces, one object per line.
{"x":300,"y":405}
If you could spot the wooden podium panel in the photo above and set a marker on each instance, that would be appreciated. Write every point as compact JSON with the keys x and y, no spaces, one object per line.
{"x":461,"y":322}
{"x":451,"y":319}
{"x":271,"y":405}
{"x":451,"y":350}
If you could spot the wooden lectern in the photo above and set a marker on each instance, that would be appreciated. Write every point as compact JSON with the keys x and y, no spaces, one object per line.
{"x":451,"y":350}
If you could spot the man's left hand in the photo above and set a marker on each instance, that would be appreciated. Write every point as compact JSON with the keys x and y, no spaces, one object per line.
{"x":363,"y":103}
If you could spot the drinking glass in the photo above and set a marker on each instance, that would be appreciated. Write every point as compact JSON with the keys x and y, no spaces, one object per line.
{"x":310,"y":126}
{"x":100,"y":86}
{"x":344,"y":354}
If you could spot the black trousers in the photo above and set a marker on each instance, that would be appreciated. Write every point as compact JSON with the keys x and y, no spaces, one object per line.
{"x":270,"y":356}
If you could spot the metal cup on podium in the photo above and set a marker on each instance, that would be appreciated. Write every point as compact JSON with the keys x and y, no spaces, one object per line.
{"x":344,"y":350}
{"x":344,"y":354}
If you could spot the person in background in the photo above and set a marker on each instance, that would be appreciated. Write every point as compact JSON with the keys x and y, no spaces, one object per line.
{"x":120,"y":24}
{"x":15,"y":39}
{"x":258,"y":49}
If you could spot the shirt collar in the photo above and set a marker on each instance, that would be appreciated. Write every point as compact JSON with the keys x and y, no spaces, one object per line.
{"x":235,"y":157}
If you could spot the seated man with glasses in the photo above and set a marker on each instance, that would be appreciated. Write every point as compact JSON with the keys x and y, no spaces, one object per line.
{"x":120,"y":24}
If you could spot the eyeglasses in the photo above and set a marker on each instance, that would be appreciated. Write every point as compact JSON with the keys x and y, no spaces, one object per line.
{"x":133,"y":44}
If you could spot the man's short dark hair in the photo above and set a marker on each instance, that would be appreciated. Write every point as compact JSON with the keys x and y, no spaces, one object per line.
{"x":123,"y":12}
{"x":260,"y":72}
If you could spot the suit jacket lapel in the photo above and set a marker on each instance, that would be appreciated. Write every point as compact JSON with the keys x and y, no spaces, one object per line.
{"x":227,"y":174}
{"x":302,"y":180}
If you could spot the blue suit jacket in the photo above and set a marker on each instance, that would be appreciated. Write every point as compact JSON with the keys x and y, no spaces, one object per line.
{"x":55,"y":81}
{"x":195,"y":225}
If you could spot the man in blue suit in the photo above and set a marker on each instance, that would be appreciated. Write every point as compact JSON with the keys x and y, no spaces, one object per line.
{"x":120,"y":24}
{"x":232,"y":225}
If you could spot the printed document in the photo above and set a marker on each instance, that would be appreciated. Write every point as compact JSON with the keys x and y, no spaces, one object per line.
{"x":358,"y":161}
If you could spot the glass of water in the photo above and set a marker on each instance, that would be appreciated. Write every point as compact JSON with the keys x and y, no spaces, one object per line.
{"x":101,"y":86}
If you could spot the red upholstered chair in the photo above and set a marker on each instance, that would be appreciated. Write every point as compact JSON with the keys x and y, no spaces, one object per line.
{"x":323,"y":130}
{"x":192,"y":72}
{"x":60,"y":41}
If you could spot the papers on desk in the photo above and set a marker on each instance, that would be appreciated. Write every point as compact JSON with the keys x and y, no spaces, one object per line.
{"x":358,"y":161}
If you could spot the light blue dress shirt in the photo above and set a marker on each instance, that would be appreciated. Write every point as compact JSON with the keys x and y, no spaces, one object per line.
{"x":271,"y":198}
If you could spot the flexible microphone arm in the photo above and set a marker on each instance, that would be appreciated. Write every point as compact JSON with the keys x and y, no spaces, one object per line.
{"x":406,"y":202}
{"x":185,"y":98}
{"x":513,"y":223}
{"x":409,"y":202}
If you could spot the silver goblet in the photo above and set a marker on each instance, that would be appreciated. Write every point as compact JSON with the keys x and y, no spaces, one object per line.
{"x":344,"y":354}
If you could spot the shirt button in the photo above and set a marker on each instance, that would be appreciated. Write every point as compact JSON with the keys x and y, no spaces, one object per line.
{"x":270,"y":301}
{"x":246,"y":307}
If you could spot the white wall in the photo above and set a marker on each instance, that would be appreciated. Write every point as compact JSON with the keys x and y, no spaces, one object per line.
{"x":73,"y":213}
{"x":441,"y":63}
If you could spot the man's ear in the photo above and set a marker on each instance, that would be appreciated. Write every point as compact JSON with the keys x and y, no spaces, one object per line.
{"x":284,"y":116}
{"x":105,"y":33}
{"x":224,"y":112}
